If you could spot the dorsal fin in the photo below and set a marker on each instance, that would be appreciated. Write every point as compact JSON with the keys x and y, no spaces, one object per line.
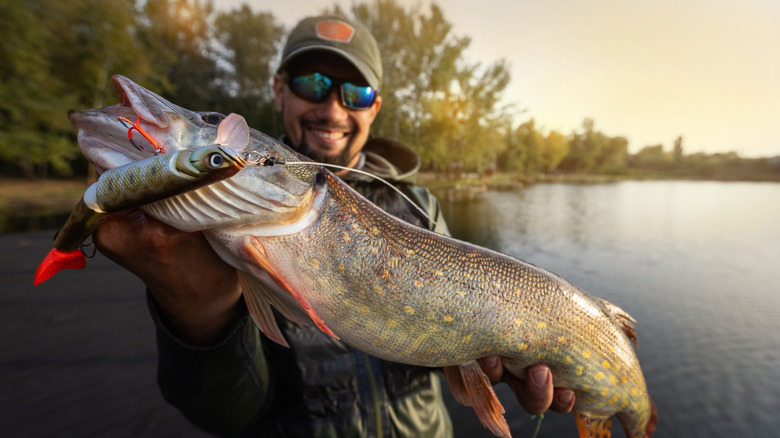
{"x":623,"y":319}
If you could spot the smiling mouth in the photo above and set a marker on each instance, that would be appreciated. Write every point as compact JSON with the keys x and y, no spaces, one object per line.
{"x":327,"y":134}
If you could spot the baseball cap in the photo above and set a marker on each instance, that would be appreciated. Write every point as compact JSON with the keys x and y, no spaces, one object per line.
{"x":339,"y":35}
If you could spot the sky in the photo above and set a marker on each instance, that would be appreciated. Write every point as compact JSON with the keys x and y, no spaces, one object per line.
{"x":648,"y":70}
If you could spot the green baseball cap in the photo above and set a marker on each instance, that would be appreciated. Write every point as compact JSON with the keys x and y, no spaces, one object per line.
{"x":339,"y":35}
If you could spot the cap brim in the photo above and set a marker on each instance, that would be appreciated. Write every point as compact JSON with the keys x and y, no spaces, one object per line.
{"x":365,"y":70}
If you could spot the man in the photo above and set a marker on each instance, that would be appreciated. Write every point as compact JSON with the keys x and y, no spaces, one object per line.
{"x":214,"y":364}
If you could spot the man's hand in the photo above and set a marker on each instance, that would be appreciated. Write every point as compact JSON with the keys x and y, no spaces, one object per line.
{"x":197,"y":293}
{"x":534,"y":391}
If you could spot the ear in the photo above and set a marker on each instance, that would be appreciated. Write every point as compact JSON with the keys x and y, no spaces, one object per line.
{"x":375,"y":107}
{"x":278,"y":92}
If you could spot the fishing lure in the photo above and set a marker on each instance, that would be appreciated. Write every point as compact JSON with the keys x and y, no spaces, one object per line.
{"x":140,"y":183}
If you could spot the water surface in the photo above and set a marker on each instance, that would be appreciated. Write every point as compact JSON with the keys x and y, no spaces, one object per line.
{"x":696,"y":263}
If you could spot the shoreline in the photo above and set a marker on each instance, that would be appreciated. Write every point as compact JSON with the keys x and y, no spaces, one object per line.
{"x":52,"y":197}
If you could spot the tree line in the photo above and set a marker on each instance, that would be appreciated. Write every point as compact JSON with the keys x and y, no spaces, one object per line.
{"x":60,"y":55}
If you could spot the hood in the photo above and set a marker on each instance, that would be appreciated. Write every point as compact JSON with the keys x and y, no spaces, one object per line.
{"x":388,"y":159}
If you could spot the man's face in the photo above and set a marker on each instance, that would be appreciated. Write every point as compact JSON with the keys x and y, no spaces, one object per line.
{"x":325,"y":131}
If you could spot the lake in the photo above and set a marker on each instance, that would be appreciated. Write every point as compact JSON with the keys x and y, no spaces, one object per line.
{"x":696,"y":263}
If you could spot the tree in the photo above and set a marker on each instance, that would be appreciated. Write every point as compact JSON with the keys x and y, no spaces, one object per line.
{"x":592,"y":151}
{"x":176,"y":34}
{"x":653,"y":158}
{"x":431,"y":97}
{"x":95,"y":39}
{"x":33,"y":101}
{"x":556,"y":147}
{"x":677,"y":152}
{"x":249,"y":43}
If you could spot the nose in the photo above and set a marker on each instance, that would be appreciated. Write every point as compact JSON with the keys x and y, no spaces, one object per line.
{"x":331,"y":109}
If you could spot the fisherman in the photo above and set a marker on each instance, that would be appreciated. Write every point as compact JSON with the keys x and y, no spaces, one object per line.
{"x":214,"y":365}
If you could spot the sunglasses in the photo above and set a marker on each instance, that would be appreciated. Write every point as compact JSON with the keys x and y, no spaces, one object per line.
{"x":315,"y":87}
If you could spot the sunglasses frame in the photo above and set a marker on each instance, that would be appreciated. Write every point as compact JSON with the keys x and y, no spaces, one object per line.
{"x":288,"y":79}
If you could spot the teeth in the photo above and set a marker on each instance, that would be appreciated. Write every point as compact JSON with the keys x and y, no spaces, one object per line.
{"x":328,"y":135}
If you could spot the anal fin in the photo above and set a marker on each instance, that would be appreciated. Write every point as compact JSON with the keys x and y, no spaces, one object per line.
{"x":56,"y":261}
{"x":260,"y":309}
{"x":471,"y":387}
{"x":593,"y":427}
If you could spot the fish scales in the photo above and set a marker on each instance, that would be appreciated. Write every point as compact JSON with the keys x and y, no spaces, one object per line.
{"x":402,"y":292}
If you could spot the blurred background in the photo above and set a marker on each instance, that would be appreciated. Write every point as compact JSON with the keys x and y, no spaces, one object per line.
{"x":628,"y":147}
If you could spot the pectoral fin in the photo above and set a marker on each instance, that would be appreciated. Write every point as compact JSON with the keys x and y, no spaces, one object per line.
{"x":233,"y":132}
{"x":260,"y":308}
{"x":471,"y":387}
{"x":253,"y":252}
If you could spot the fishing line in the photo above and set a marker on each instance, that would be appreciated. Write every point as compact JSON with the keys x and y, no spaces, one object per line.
{"x":263,"y":160}
{"x":371,"y":175}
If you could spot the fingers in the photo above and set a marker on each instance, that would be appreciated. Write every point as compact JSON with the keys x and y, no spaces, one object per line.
{"x":492,"y":367}
{"x":197,"y":294}
{"x":535,"y":390}
{"x":538,"y":392}
{"x":563,"y":400}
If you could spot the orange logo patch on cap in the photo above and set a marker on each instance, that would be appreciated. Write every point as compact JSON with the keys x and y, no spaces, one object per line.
{"x":333,"y":30}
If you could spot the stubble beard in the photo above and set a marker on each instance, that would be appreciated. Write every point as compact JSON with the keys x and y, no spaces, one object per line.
{"x":342,"y":159}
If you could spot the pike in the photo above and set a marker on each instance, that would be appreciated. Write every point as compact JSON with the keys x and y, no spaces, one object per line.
{"x":307,"y":244}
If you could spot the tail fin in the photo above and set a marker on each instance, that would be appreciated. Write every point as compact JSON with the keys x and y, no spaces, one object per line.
{"x":644,"y":430}
{"x":57,"y":260}
{"x":593,"y":427}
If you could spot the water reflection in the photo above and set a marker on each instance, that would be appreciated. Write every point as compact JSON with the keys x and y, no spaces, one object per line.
{"x":694,"y":262}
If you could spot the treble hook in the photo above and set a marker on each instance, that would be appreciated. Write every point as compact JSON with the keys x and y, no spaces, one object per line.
{"x":137,"y":126}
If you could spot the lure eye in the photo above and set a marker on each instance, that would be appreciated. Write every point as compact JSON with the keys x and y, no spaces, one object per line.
{"x":212,"y":118}
{"x":216,"y":160}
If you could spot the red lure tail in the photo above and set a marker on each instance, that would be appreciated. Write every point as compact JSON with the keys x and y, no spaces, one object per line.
{"x":57,"y":260}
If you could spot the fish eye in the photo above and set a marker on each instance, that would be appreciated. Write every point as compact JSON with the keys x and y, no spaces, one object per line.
{"x":216,"y":160}
{"x":212,"y":118}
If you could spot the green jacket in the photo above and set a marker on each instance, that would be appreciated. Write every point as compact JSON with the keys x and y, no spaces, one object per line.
{"x":247,"y":385}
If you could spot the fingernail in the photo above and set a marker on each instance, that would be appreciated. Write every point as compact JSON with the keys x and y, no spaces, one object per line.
{"x":539,"y":377}
{"x":564,"y":398}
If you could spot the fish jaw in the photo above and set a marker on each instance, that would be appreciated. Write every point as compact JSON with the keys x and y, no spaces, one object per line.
{"x":103,"y":137}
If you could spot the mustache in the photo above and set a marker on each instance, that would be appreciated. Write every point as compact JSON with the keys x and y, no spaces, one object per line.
{"x":325,"y":124}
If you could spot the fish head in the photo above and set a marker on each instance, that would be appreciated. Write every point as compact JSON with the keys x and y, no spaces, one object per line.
{"x":104,"y":138}
{"x":255,"y":195}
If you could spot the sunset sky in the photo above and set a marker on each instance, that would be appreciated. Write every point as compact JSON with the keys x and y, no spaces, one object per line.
{"x":708,"y":70}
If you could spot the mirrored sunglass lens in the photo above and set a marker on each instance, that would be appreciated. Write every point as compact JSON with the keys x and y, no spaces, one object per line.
{"x":356,"y":96}
{"x":313,"y":87}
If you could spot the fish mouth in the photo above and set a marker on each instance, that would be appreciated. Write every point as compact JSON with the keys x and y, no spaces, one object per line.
{"x":103,"y":132}
{"x":134,"y":102}
{"x":120,"y":92}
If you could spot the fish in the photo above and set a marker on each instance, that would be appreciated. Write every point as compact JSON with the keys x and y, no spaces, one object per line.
{"x":305,"y":243}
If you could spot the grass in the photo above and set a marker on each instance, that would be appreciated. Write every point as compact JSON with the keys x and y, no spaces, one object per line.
{"x":22,"y":196}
